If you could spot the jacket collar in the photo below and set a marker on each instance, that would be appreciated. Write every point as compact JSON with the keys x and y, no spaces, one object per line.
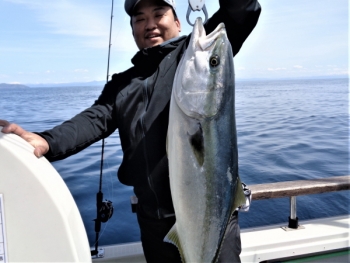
{"x":149,"y":58}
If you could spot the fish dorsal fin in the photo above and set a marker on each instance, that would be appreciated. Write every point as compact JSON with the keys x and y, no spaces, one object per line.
{"x":173,"y":238}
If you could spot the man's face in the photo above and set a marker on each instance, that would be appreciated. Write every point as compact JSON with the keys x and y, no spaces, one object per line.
{"x":153,"y":23}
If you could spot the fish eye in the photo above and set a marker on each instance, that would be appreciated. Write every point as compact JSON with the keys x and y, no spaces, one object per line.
{"x":214,"y":61}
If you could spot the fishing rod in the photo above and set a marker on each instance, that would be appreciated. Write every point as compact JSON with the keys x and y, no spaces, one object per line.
{"x":104,"y":208}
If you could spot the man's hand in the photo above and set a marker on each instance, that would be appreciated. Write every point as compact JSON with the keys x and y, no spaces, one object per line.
{"x":40,"y":145}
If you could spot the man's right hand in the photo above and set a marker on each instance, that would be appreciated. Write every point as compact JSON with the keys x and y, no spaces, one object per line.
{"x":40,"y":145}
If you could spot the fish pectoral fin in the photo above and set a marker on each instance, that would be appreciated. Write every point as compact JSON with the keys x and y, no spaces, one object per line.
{"x":173,"y":238}
{"x":196,"y":139}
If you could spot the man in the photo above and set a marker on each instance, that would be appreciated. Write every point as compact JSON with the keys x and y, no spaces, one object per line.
{"x":136,"y":102}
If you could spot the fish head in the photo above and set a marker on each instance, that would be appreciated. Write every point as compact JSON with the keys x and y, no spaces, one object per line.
{"x":205,"y":74}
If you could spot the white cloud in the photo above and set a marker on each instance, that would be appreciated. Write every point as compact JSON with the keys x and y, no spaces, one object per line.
{"x":68,"y":17}
{"x":298,"y":66}
{"x":276,"y":69}
{"x":81,"y":70}
{"x":88,"y":20}
{"x":3,"y":76}
{"x":339,"y":71}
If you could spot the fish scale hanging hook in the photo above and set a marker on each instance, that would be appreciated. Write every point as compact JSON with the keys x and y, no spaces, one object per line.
{"x":196,"y":5}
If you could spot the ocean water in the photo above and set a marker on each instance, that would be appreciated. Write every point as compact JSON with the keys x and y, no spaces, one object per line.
{"x":287,"y":130}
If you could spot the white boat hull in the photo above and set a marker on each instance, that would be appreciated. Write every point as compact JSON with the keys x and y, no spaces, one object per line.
{"x":39,"y":220}
{"x":267,"y":243}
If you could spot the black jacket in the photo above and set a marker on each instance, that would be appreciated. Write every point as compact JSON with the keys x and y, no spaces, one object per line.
{"x":136,"y":102}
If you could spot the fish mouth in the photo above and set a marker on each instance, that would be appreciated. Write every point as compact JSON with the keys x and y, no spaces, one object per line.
{"x":219,"y":35}
{"x":205,"y":41}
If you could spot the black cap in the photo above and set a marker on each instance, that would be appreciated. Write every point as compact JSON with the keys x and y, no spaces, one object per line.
{"x":130,"y":4}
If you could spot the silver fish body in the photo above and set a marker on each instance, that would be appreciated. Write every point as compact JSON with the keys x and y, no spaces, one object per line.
{"x":202,"y":146}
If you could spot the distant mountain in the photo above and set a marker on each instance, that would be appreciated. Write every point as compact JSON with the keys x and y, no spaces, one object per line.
{"x":72,"y":84}
{"x":101,"y":83}
{"x":12,"y":86}
{"x":294,"y":78}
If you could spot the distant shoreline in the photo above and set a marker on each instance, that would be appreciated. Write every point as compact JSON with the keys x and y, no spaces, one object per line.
{"x":296,"y":78}
{"x":12,"y":86}
{"x":102,"y":83}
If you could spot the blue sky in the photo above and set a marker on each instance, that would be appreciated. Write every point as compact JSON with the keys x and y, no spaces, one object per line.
{"x":67,"y":40}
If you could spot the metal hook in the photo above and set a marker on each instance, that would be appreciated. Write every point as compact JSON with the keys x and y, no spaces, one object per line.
{"x":195,"y":5}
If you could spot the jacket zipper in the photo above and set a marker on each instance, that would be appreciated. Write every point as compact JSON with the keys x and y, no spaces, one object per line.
{"x":149,"y":179}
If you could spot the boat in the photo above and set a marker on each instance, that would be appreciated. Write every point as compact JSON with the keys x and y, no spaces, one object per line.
{"x":40,"y":222}
{"x":320,"y":240}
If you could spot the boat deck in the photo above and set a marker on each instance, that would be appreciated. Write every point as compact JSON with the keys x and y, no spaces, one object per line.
{"x":274,"y":243}
{"x":313,"y":236}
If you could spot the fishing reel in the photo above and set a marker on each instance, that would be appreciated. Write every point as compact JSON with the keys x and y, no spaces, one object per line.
{"x":105,"y":212}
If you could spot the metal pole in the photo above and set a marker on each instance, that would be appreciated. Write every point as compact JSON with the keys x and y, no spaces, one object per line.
{"x":293,"y":207}
{"x":293,"y":219}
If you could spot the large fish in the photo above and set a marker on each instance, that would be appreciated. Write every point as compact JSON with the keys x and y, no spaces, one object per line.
{"x":202,"y":146}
